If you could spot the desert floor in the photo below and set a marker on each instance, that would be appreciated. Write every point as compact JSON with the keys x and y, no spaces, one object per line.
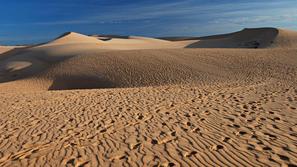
{"x":82,"y":101}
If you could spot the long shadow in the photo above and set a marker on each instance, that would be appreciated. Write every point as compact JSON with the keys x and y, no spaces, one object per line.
{"x":249,"y":38}
{"x":23,"y":54}
{"x":80,"y":82}
{"x":12,"y":52}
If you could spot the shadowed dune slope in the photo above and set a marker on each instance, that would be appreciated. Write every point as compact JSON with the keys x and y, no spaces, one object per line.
{"x":247,"y":38}
{"x":161,"y":67}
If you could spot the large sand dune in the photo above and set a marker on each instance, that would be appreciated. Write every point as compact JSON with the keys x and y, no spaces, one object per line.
{"x":207,"y":101}
{"x":247,"y":38}
{"x":78,"y":61}
{"x":72,"y":38}
{"x":147,"y":68}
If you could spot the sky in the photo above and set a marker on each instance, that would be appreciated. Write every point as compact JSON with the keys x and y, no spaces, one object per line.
{"x":35,"y":21}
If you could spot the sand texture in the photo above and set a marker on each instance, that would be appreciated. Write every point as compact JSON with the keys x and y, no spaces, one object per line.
{"x":223,"y":100}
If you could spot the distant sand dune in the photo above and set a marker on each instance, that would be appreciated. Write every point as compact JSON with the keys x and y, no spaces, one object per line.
{"x":285,"y":39}
{"x":75,"y":61}
{"x":247,"y":38}
{"x":72,"y":37}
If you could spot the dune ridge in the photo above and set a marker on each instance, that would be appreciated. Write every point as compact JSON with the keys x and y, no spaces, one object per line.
{"x":73,"y":37}
{"x":246,"y":38}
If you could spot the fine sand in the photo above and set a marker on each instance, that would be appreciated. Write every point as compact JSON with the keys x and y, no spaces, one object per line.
{"x":222,"y":100}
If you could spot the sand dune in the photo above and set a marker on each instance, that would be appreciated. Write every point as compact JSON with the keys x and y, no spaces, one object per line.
{"x":127,"y":69}
{"x":72,"y":37}
{"x":4,"y":49}
{"x":285,"y":39}
{"x":136,"y":43}
{"x":87,"y":62}
{"x":207,"y":101}
{"x":247,"y":38}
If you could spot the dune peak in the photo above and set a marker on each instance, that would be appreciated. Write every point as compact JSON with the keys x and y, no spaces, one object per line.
{"x":74,"y":37}
{"x":70,"y":33}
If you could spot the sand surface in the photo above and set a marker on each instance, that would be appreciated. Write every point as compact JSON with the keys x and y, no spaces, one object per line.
{"x":112,"y":101}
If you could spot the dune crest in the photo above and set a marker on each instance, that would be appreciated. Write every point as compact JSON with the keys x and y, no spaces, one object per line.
{"x":73,"y":37}
{"x":247,"y":38}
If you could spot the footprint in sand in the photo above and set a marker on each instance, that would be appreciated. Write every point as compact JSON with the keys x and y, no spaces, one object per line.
{"x":216,"y":147}
{"x":240,"y":133}
{"x":226,"y":139}
{"x":134,"y":146}
{"x":189,"y":154}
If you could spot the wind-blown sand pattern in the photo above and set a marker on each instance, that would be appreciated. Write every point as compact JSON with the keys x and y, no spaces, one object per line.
{"x":151,"y":106}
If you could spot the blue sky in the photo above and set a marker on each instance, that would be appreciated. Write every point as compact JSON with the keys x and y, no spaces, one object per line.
{"x":33,"y":21}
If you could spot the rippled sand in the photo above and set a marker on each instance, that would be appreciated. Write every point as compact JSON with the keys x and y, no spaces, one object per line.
{"x":82,"y":101}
